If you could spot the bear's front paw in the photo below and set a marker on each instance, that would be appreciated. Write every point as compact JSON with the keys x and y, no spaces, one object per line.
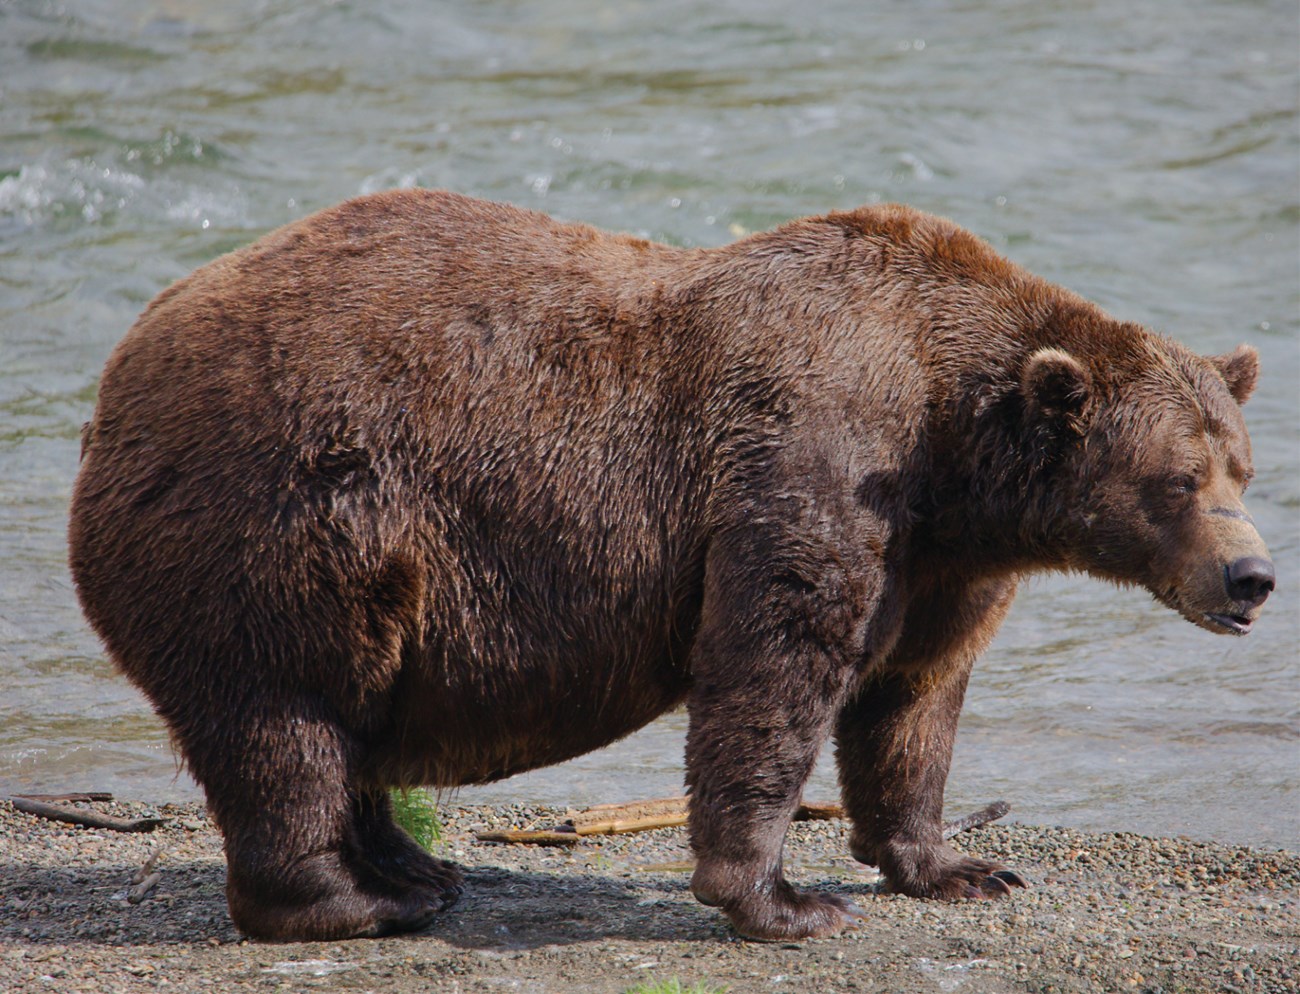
{"x":943,"y":873}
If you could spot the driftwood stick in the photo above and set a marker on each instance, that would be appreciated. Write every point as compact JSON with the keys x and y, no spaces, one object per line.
{"x":89,"y":819}
{"x":541,"y":838}
{"x":649,"y":811}
{"x":94,"y":795}
{"x":138,"y":892}
{"x":617,"y":826}
{"x":671,"y":812}
{"x":974,"y":820}
{"x":818,"y":811}
{"x":632,"y":811}
{"x":148,"y":866}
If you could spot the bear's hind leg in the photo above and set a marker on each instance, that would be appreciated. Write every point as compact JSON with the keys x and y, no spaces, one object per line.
{"x":894,"y":745}
{"x":397,"y":856}
{"x":280,"y":786}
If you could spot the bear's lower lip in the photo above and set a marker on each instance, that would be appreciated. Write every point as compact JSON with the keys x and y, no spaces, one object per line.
{"x":1234,"y":623}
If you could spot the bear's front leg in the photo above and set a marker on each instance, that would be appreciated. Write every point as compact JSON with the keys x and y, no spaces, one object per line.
{"x":770,"y":672}
{"x":894,"y":745}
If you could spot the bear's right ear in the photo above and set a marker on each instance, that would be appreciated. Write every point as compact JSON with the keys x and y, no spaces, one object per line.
{"x":1057,"y":388}
{"x":1240,"y":370}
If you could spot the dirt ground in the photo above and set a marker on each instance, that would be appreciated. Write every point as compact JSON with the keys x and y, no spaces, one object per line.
{"x":1104,"y":913}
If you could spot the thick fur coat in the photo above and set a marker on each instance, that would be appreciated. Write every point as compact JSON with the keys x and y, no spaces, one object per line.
{"x":424,"y":489}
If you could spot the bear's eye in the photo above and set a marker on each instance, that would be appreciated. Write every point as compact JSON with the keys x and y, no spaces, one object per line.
{"x":1183,"y":484}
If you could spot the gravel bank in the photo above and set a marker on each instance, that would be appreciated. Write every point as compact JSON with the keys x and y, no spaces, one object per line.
{"x":1105,"y":913}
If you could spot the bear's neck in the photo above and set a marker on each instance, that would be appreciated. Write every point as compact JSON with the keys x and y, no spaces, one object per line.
{"x":996,"y":500}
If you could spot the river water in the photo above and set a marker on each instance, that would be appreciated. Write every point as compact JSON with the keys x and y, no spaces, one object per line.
{"x":1143,"y":153}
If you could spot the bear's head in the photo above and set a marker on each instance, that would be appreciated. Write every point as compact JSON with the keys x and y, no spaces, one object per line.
{"x":1155,"y":462}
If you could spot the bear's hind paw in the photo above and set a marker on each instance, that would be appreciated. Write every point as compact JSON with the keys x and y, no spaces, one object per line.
{"x":792,"y":914}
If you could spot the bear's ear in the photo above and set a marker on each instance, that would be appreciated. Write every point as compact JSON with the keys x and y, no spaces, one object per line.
{"x":1240,"y":370}
{"x":1057,"y":388}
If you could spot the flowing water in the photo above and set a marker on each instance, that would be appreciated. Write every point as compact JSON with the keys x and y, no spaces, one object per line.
{"x":1141,"y":152}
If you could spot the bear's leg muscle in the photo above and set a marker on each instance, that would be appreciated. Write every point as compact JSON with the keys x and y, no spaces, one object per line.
{"x":894,"y":746}
{"x":281,"y":787}
{"x":766,"y":689}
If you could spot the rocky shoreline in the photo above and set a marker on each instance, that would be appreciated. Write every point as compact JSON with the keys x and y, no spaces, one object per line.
{"x":1105,"y":912}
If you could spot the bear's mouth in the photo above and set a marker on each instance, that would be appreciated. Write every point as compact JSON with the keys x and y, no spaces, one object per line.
{"x":1238,"y":624}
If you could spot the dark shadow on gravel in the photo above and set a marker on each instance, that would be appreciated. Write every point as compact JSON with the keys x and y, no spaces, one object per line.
{"x":502,"y":909}
{"x":508,"y":909}
{"x":513,"y":909}
{"x":56,"y":905}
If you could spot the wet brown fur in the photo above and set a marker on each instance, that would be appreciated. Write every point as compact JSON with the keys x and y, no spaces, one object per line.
{"x":424,"y":489}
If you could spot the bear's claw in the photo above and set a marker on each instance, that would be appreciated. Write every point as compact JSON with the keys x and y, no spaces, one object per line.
{"x":997,"y":884}
{"x":1012,"y":878}
{"x":938,"y":872}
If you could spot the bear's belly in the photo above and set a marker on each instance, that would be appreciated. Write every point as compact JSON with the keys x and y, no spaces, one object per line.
{"x":452,"y":733}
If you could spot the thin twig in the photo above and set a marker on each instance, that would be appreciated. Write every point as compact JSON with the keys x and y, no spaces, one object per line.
{"x":138,"y":892}
{"x":544,"y":838}
{"x":89,"y":819}
{"x":974,"y":820}
{"x":671,"y":812}
{"x":148,"y":866}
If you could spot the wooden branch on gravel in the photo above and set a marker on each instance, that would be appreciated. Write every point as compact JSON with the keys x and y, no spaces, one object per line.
{"x":141,"y":890}
{"x":818,"y":811}
{"x":671,"y":812}
{"x":618,"y":826}
{"x":535,"y":838}
{"x":665,"y":812}
{"x":974,"y":820}
{"x":149,"y":865}
{"x":88,"y":819}
{"x":604,"y":814}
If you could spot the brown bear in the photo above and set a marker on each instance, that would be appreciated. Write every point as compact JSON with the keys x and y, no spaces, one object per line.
{"x":429,"y":490}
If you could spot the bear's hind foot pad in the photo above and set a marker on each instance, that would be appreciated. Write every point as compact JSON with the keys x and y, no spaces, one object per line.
{"x":324,"y":906}
{"x":414,"y":919}
{"x":332,"y":919}
{"x":793,"y":914}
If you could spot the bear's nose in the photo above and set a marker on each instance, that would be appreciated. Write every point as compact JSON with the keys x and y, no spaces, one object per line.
{"x":1250,"y":579}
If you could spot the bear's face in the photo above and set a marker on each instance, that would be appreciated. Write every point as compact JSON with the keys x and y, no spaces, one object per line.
{"x":1161,"y":460}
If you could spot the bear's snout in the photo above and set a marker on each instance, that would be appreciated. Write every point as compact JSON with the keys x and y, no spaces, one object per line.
{"x":1249,"y":580}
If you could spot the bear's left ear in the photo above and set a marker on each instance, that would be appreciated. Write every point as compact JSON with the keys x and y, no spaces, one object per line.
{"x":1057,"y":388}
{"x":1240,"y":370}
